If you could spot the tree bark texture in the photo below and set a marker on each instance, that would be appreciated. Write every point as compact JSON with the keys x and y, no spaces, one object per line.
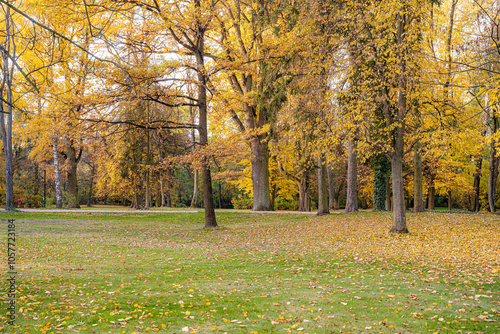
{"x":494,"y":162}
{"x":336,"y":197}
{"x":6,"y":109}
{"x":303,"y":187}
{"x":194,"y":199}
{"x":57,"y":178}
{"x":352,"y":178}
{"x":208,"y":201}
{"x":418,"y":205}
{"x":260,"y":176}
{"x":162,"y":191}
{"x":398,"y":194}
{"x":72,"y":175}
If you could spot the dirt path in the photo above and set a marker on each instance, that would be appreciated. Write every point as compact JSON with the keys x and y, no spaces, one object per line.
{"x":147,"y":211}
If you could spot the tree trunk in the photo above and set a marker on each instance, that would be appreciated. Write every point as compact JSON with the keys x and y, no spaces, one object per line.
{"x":57,"y":178}
{"x":194,"y":199}
{"x":169,"y":199}
{"x":89,"y":198}
{"x":208,"y":201}
{"x":477,"y":183}
{"x":72,"y":174}
{"x":7,"y":110}
{"x":336,"y":201}
{"x":398,"y":191}
{"x":331,"y":189}
{"x":303,"y":185}
{"x":494,"y":162}
{"x":148,"y":199}
{"x":352,"y":179}
{"x":322,"y":188}
{"x":135,"y":200}
{"x":162,"y":191}
{"x":418,"y":205}
{"x":260,"y":176}
{"x":398,"y":195}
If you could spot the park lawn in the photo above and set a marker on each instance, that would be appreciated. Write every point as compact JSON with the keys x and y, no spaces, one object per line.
{"x":257,"y":273}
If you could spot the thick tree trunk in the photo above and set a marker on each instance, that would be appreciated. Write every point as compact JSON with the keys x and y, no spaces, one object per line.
{"x":398,"y":194}
{"x":431,"y":197}
{"x":398,"y":191}
{"x":57,"y":178}
{"x":352,"y":179}
{"x":260,"y":176}
{"x":477,"y":183}
{"x":418,"y":205}
{"x":322,"y":189}
{"x":331,"y":190}
{"x":303,"y":186}
{"x":72,"y":174}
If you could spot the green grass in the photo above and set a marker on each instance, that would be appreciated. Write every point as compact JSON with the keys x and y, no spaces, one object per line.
{"x":278,"y":273}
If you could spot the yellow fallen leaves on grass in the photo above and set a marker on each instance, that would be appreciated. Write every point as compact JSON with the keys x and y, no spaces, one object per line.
{"x":436,"y":239}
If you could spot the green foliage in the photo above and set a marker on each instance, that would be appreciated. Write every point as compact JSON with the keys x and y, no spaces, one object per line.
{"x":23,"y":199}
{"x":243,"y":203}
{"x":286,"y":205}
{"x":382,"y":170}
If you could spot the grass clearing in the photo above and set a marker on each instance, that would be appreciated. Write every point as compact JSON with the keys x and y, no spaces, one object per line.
{"x":264,"y":273}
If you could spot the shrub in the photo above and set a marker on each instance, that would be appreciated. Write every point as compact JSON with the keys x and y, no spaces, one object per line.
{"x":283,"y":204}
{"x":243,"y":203}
